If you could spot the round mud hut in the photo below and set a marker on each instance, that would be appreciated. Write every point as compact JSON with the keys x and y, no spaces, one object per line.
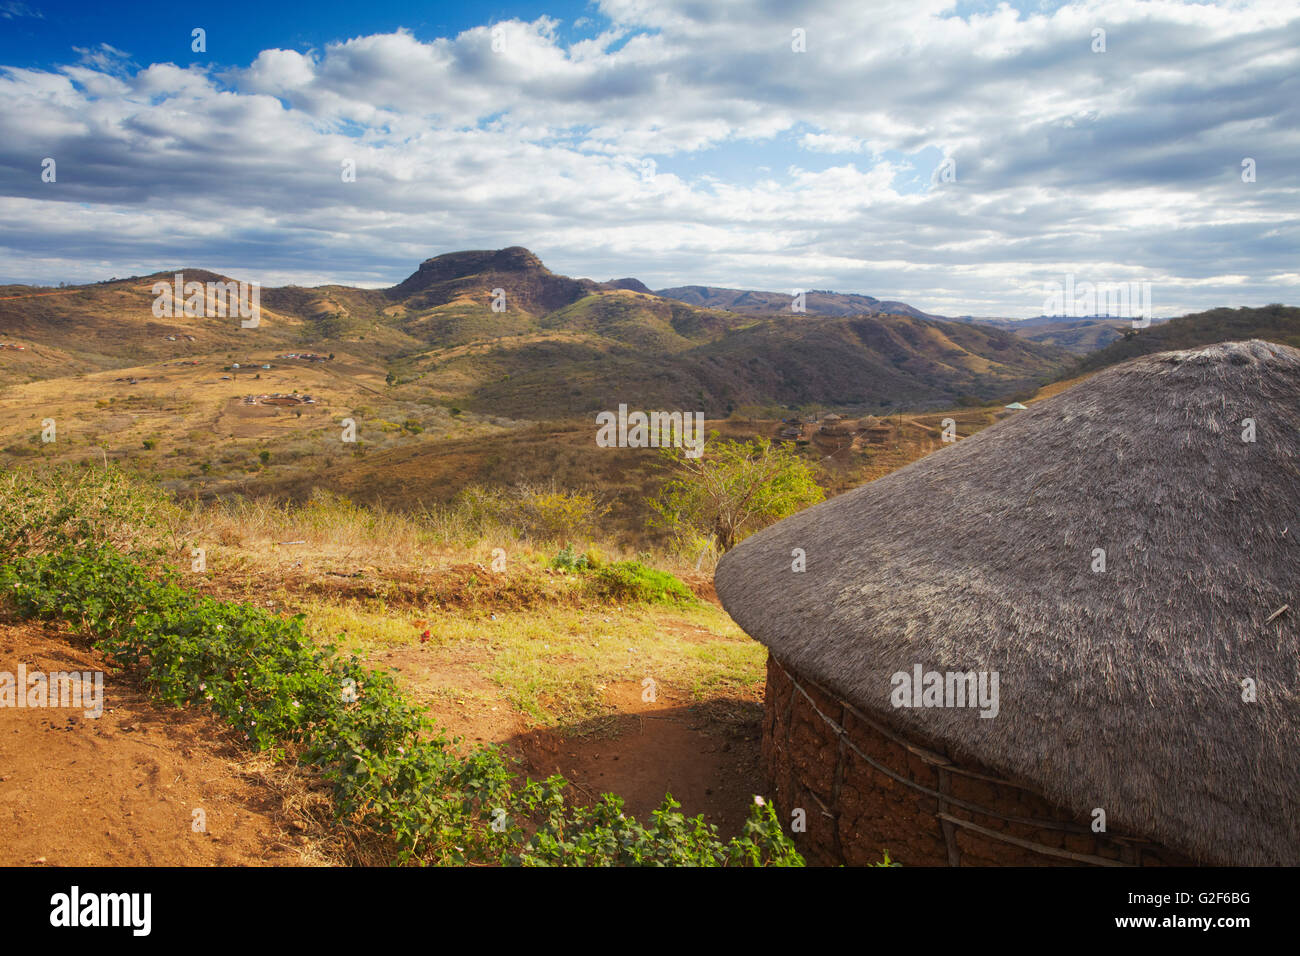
{"x":1068,"y":639}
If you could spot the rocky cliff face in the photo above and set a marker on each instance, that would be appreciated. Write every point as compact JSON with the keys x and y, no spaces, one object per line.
{"x":528,"y":284}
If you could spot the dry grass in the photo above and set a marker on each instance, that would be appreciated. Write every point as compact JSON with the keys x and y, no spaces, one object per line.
{"x":524,"y":524}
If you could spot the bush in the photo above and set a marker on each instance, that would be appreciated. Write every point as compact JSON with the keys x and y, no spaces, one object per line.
{"x":566,"y":560}
{"x":529,"y":511}
{"x":553,"y":513}
{"x":46,"y":509}
{"x":633,"y":581}
{"x":732,"y":491}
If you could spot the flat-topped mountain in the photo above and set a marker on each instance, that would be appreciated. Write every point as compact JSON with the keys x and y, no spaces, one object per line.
{"x":496,"y":332}
{"x":520,"y":274}
{"x":458,"y":265}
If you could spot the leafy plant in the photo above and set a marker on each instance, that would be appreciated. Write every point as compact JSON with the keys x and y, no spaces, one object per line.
{"x":633,"y":581}
{"x":734,"y":489}
{"x":567,"y":560}
{"x":45,"y":509}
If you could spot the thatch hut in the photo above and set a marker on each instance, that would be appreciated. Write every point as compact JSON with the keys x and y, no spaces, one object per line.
{"x":838,"y":427}
{"x":1153,"y":688}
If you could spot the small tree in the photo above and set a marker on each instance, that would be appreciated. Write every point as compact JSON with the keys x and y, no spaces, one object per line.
{"x":733,"y":490}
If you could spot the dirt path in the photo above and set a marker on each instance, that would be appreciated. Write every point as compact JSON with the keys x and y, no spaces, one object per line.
{"x":121,"y":789}
{"x":706,"y":755}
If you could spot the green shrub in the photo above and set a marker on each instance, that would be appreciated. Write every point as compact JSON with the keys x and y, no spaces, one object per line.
{"x":543,"y":513}
{"x":550,"y":513}
{"x":46,"y":509}
{"x":633,"y":581}
{"x":568,"y":561}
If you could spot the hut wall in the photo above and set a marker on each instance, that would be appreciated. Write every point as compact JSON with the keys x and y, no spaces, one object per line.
{"x":924,"y":807}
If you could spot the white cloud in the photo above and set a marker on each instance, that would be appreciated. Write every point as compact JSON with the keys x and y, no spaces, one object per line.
{"x":1115,"y":166}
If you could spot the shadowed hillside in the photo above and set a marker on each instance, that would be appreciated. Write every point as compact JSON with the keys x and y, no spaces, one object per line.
{"x":1272,"y":323}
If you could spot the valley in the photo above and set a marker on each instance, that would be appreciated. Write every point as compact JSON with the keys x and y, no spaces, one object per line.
{"x":418,"y":471}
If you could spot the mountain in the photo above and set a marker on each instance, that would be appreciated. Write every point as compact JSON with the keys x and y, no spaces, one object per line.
{"x":1079,"y":336}
{"x":1273,"y":323}
{"x":631,"y":285}
{"x":496,"y":333}
{"x":532,"y":287}
{"x":867,"y":363}
{"x":816,"y":302}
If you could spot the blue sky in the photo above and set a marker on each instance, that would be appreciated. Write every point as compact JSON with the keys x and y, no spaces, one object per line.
{"x":238,"y":30}
{"x":677,"y":141}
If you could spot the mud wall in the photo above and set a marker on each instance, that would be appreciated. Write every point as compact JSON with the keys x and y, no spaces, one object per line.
{"x":866,"y":789}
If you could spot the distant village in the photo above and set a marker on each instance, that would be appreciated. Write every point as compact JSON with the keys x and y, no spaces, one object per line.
{"x":869,"y":430}
{"x":279,"y":399}
{"x":853,"y":433}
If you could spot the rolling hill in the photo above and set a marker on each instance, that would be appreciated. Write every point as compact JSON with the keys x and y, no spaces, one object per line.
{"x":444,"y":389}
{"x":1078,"y":336}
{"x":1273,"y":323}
{"x":497,"y":333}
{"x":816,"y":302}
{"x":870,"y":363}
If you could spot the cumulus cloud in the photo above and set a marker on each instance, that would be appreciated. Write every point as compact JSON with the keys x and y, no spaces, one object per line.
{"x":772,"y":168}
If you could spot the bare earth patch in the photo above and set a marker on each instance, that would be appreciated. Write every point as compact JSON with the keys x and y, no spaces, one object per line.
{"x":706,"y":755}
{"x":120,"y":789}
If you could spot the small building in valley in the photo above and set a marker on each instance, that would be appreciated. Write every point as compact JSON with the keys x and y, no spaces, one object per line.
{"x":1068,"y":639}
{"x":833,"y":426}
{"x":877,"y":434}
{"x":279,"y":399}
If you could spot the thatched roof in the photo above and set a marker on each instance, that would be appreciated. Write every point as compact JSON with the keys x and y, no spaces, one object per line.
{"x":1120,"y":689}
